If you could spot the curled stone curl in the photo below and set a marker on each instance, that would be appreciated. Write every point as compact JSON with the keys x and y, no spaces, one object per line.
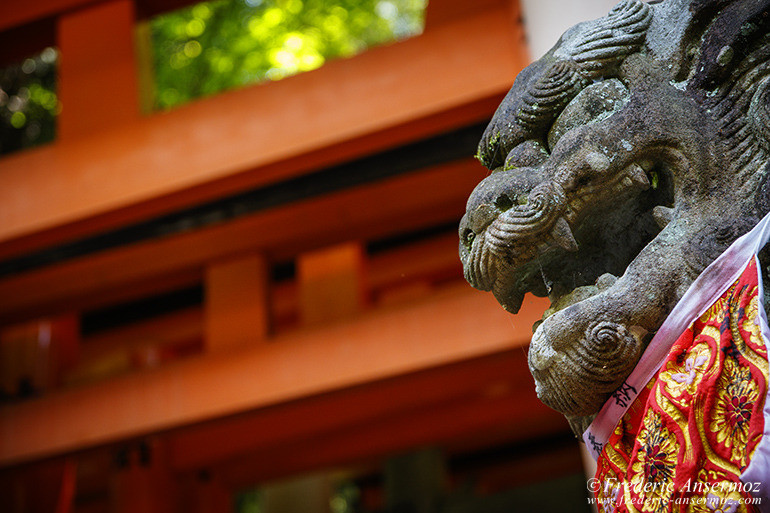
{"x":600,"y":362}
{"x":545,"y":205}
{"x":609,"y":353}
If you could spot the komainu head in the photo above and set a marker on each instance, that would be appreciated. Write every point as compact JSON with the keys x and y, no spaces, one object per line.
{"x":622,"y":163}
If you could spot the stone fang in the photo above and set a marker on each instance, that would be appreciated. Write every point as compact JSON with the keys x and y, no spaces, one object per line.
{"x":563,"y":236}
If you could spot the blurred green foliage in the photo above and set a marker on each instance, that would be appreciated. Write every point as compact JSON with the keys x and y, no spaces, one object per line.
{"x":28,"y":102}
{"x":345,"y":498}
{"x":224,"y":44}
{"x":248,"y":501}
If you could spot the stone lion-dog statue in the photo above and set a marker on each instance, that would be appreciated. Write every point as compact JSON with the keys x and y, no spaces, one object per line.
{"x":623,"y":162}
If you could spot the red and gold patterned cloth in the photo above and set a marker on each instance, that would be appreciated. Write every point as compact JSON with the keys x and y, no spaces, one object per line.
{"x":687,"y":439}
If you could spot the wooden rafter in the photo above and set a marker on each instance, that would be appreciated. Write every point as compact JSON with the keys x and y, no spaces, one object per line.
{"x":371,"y":211}
{"x":376,"y":346}
{"x":258,"y":135}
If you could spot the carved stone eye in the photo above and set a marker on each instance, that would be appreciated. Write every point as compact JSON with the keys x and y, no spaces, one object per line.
{"x":468,"y":236}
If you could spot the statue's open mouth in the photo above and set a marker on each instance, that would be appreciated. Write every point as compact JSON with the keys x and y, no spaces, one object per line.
{"x":514,"y":242}
{"x":654,"y":182}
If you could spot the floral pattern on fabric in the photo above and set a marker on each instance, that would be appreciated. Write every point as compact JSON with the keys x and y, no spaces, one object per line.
{"x":691,"y":432}
{"x":732,"y":413}
{"x":654,"y":466}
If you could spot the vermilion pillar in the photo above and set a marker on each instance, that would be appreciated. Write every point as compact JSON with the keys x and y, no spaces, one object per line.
{"x":98,"y":70}
{"x":331,"y":283}
{"x":236,"y":304}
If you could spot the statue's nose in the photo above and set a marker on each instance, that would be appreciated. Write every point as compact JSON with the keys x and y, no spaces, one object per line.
{"x":481,"y":217}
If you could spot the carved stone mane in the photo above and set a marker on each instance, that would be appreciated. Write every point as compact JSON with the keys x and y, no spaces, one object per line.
{"x":623,"y":162}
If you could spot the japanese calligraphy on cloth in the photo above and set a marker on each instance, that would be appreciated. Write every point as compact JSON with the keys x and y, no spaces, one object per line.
{"x":689,"y":430}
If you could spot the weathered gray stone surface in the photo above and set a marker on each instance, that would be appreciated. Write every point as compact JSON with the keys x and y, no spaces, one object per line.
{"x":624,"y":161}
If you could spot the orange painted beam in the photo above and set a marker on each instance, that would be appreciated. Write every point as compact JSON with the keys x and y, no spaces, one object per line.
{"x":437,"y":255}
{"x":366,"y":212}
{"x":23,"y":13}
{"x":15,"y":14}
{"x":462,"y":116}
{"x":519,"y":414}
{"x":502,"y":374}
{"x":379,"y":345}
{"x":347,"y":108}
